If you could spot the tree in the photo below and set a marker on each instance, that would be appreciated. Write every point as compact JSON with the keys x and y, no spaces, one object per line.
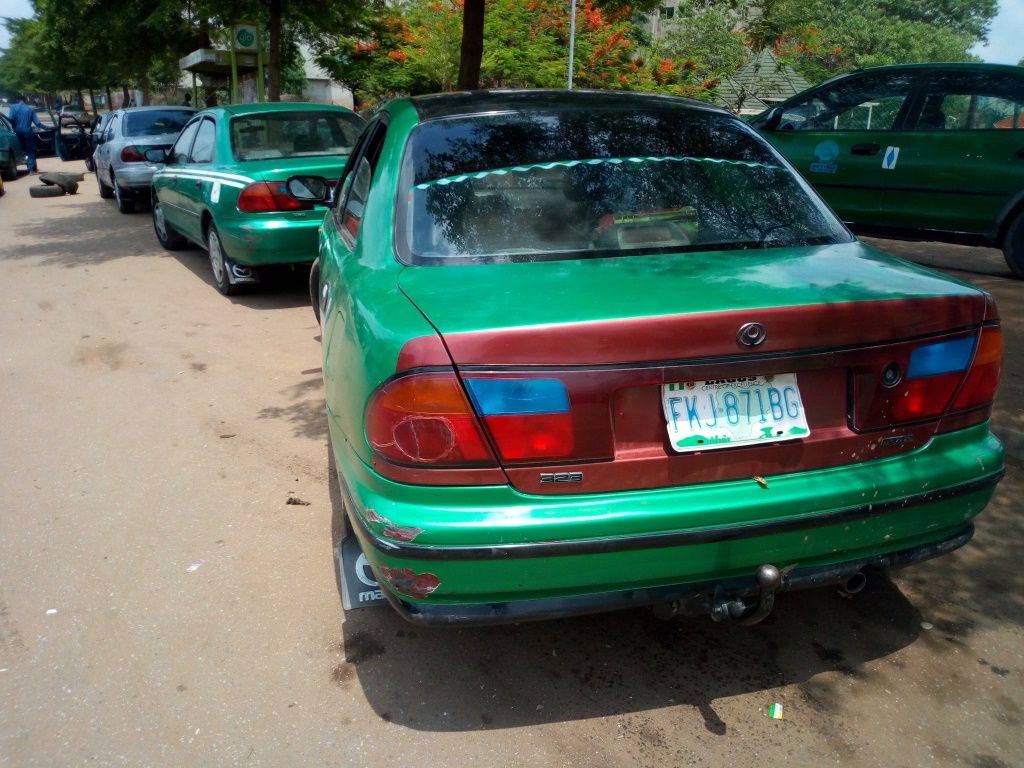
{"x":709,"y":34}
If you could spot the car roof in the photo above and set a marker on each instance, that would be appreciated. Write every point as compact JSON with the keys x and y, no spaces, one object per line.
{"x":158,"y":107}
{"x":278,"y":106}
{"x":476,"y":102}
{"x":945,"y":66}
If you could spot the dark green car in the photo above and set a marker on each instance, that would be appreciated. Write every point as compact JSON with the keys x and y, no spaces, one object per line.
{"x":590,"y":350}
{"x":919,"y":151}
{"x":223,"y":184}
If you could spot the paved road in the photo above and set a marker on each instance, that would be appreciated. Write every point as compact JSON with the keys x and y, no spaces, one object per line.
{"x":162,"y":604}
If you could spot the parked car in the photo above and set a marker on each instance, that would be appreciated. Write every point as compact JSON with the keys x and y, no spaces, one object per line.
{"x":122,"y":170}
{"x":921,"y":151}
{"x":584,"y":351}
{"x":11,"y":153}
{"x":72,"y":114}
{"x":99,"y":127}
{"x":223,"y":186}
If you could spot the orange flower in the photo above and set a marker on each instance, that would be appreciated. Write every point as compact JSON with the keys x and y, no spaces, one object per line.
{"x":666,"y":66}
{"x":623,"y":79}
{"x":398,"y":55}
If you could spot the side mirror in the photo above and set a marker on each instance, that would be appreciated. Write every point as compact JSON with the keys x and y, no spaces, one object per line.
{"x":157,"y":156}
{"x":309,"y":189}
{"x":99,"y":140}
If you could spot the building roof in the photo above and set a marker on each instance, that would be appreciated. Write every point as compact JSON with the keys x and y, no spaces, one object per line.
{"x":759,"y":83}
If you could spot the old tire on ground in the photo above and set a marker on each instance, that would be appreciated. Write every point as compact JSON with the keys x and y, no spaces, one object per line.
{"x":123,"y":198}
{"x":314,"y":289}
{"x":105,"y":192}
{"x":45,"y":191}
{"x":9,"y":171}
{"x":218,"y":266}
{"x":1013,"y":246}
{"x":165,"y":233}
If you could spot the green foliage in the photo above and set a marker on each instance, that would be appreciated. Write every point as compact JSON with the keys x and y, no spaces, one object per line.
{"x":706,"y":34}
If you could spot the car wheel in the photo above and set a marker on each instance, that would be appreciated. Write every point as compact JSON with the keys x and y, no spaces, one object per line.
{"x":1013,"y":246}
{"x":90,"y":165}
{"x":105,"y":192}
{"x":9,"y":172}
{"x":124,"y":199}
{"x":218,"y":264}
{"x":314,"y":288}
{"x":165,"y":233}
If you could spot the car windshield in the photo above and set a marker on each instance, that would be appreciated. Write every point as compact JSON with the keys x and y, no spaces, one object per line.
{"x":570,"y":184}
{"x":155,"y":122}
{"x":305,"y":133}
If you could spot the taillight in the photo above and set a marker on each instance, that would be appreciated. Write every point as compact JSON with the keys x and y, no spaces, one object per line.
{"x":425,"y":420}
{"x":919,"y":382}
{"x":529,"y":419}
{"x":983,"y":379}
{"x":268,"y":196}
{"x":133,"y":154}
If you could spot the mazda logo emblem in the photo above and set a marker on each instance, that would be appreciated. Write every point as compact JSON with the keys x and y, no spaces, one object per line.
{"x":751,"y":335}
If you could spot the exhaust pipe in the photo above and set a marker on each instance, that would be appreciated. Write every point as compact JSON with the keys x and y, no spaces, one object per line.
{"x":852,"y":585}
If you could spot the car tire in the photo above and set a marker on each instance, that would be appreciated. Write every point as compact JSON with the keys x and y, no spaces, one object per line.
{"x":314,"y":289}
{"x":46,"y":191}
{"x":218,"y":266}
{"x":1013,"y":246}
{"x":90,"y":165}
{"x":9,"y":172}
{"x":105,"y":192}
{"x":123,"y":198}
{"x":165,"y":233}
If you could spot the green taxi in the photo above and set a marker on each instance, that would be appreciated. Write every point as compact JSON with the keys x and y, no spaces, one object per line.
{"x":223,"y":184}
{"x":591,"y":350}
{"x":921,"y":151}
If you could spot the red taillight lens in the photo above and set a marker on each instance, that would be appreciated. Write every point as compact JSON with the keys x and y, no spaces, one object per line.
{"x":532,"y":438}
{"x":924,"y":398}
{"x":133,"y":154}
{"x":269,"y":196}
{"x":425,"y":419}
{"x":983,"y":378}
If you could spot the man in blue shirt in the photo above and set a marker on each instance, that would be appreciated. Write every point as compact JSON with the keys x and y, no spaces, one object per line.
{"x":23,"y":118}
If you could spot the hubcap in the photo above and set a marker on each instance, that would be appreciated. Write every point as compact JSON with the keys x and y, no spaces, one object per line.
{"x":216,"y":258}
{"x":158,"y":219}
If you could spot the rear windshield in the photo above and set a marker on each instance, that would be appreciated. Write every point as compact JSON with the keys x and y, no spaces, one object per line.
{"x":155,"y":122}
{"x":306,"y":133}
{"x":510,"y":187}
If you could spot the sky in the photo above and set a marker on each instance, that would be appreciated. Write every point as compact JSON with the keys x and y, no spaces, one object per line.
{"x":1005,"y":41}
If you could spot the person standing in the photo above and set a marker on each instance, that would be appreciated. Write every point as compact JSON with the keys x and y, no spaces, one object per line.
{"x":23,"y":117}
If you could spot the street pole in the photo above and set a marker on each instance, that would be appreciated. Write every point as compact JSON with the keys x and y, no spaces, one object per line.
{"x":572,"y":39}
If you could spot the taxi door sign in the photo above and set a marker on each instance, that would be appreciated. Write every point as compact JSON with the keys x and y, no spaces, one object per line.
{"x":890,"y":157}
{"x":359,"y":587}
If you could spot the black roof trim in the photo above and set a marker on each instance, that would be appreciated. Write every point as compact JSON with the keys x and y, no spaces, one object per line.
{"x":478,"y":102}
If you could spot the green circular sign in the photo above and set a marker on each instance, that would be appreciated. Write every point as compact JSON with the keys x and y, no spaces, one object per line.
{"x":245,"y":38}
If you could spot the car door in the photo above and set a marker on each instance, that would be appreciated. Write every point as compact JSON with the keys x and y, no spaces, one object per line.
{"x":9,"y":140}
{"x":191,"y":186}
{"x":342,"y":228}
{"x":837,"y":136}
{"x":168,"y":183}
{"x":104,"y":150}
{"x":962,"y":159}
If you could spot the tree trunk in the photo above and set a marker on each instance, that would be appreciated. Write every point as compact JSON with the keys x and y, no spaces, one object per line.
{"x":92,"y":102}
{"x":144,"y":86}
{"x":110,"y":100}
{"x":274,"y":53}
{"x":125,"y":97}
{"x":472,"y":45}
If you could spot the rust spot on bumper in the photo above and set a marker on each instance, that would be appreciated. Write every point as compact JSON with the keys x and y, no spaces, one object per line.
{"x":386,"y":528}
{"x":417,"y":585}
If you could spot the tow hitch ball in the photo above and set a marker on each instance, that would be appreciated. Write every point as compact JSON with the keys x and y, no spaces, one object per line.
{"x":735,"y":610}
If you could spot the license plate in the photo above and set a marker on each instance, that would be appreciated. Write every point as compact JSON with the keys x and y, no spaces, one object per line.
{"x":724,"y":413}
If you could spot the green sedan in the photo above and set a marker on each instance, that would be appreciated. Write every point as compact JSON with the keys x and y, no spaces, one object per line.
{"x":586,"y":351}
{"x":223,"y":185}
{"x":919,"y":151}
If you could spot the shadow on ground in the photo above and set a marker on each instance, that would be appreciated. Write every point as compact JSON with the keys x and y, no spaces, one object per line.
{"x":280,"y":287}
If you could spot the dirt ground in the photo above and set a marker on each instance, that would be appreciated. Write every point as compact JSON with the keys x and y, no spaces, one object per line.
{"x":162,"y":604}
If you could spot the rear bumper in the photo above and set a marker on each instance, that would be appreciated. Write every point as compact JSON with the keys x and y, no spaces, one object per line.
{"x":135,"y":177}
{"x":451,"y":555}
{"x":261,"y":239}
{"x":692,"y":599}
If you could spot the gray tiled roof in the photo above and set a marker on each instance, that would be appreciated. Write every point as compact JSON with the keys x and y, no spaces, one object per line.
{"x":760,"y":82}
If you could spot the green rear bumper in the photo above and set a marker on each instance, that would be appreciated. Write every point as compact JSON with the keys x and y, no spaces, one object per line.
{"x":263,"y":239}
{"x":481,"y":551}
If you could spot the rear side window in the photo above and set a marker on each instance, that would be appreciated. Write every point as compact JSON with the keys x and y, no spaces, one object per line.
{"x":305,"y":133}
{"x":573,"y":184}
{"x":184,"y":143}
{"x":855,"y":104}
{"x":972,"y":102}
{"x":155,"y":122}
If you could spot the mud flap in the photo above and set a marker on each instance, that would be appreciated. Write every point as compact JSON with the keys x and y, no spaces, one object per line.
{"x":359,"y":588}
{"x":239,"y":274}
